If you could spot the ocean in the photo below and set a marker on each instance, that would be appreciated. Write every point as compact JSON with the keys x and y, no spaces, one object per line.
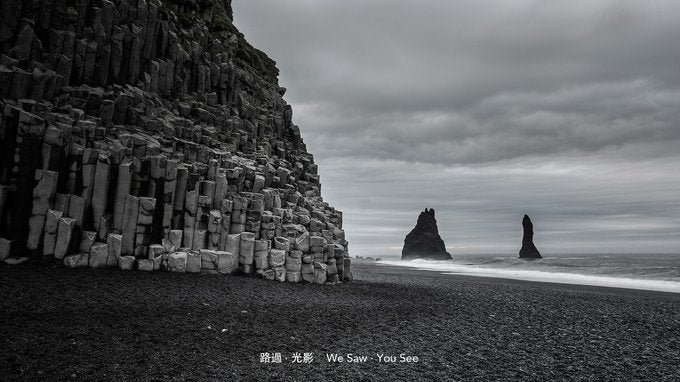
{"x":658,"y":272}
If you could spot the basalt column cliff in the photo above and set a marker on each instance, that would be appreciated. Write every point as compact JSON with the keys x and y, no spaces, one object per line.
{"x":150,"y":135}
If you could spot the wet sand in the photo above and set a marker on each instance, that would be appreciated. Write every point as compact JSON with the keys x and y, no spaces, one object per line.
{"x":61,"y":324}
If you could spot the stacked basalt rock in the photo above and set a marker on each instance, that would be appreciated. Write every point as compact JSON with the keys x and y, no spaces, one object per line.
{"x":150,"y":135}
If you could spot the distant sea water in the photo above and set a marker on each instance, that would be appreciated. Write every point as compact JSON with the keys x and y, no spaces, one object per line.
{"x":658,"y":272}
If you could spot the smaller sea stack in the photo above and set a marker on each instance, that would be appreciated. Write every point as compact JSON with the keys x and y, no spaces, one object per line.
{"x":424,"y":242}
{"x":529,"y":250}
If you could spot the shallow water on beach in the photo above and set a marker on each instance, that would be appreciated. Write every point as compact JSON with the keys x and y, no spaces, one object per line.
{"x":660,"y":272}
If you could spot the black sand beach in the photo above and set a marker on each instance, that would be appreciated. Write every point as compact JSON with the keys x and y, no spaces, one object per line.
{"x":62,"y":324}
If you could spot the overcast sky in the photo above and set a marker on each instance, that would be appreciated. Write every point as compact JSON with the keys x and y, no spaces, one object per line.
{"x":568,"y":111}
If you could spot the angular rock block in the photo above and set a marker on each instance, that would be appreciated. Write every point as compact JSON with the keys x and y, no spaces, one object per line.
{"x":332,"y":279}
{"x":43,"y":198}
{"x":51,"y":231}
{"x":281,"y":243}
{"x":126,"y":263}
{"x":65,"y":232}
{"x":175,"y":237}
{"x":280,"y":274}
{"x":200,"y":236}
{"x":293,"y":264}
{"x":319,"y":273}
{"x":227,"y":262}
{"x":247,"y":251}
{"x":347,"y":272}
{"x":145,"y":265}
{"x":302,"y":242}
{"x":16,"y":260}
{"x":114,"y":242}
{"x":277,"y":258}
{"x":5,"y":248}
{"x":261,"y":255}
{"x":129,"y":225}
{"x":293,"y":277}
{"x":206,"y":259}
{"x":99,"y":254}
{"x":269,"y":274}
{"x":80,"y":260}
{"x":317,"y":242}
{"x":233,"y":244}
{"x":86,"y":241}
{"x":155,"y":250}
{"x":177,"y":262}
{"x":125,"y":170}
{"x":331,"y":268}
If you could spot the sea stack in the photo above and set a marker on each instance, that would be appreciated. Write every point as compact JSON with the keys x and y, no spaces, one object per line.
{"x":424,"y":242}
{"x":529,"y":250}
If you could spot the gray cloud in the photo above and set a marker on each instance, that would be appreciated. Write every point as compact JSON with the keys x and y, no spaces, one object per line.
{"x":461,"y":105}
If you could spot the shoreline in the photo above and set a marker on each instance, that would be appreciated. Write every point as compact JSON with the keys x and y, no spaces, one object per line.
{"x":595,"y":281}
{"x":108,"y":324}
{"x":395,"y":269}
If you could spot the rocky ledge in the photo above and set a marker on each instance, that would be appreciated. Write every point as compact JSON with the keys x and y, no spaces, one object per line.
{"x":424,"y":242}
{"x":150,"y":135}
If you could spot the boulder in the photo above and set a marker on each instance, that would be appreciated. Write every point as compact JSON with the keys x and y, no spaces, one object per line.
{"x":293,"y":277}
{"x":247,"y":251}
{"x":277,"y":258}
{"x":318,"y":243}
{"x":280,"y":274}
{"x":126,"y":263}
{"x":177,"y":262}
{"x":331,"y":268}
{"x":281,"y":243}
{"x":206,"y":259}
{"x":16,"y":260}
{"x":261,"y":261}
{"x":233,"y":243}
{"x":302,"y":242}
{"x":114,"y":242}
{"x":227,"y":262}
{"x":99,"y":254}
{"x":307,"y":273}
{"x":195,"y":263}
{"x":293,"y":264}
{"x":80,"y":260}
{"x":175,"y":238}
{"x":86,"y":241}
{"x":51,"y":230}
{"x":424,"y":242}
{"x":347,"y":271}
{"x":5,"y":248}
{"x":319,"y":273}
{"x":269,"y":274}
{"x":145,"y":265}
{"x":64,"y":237}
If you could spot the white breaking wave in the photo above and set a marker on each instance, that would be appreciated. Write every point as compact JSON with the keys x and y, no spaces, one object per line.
{"x":446,"y":267}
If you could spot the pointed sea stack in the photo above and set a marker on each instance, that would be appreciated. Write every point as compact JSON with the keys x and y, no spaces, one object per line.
{"x":424,"y":242}
{"x":529,"y":250}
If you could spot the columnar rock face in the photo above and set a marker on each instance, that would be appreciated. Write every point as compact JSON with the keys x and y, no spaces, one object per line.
{"x":151,"y":135}
{"x":528,"y":250}
{"x":424,"y":242}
